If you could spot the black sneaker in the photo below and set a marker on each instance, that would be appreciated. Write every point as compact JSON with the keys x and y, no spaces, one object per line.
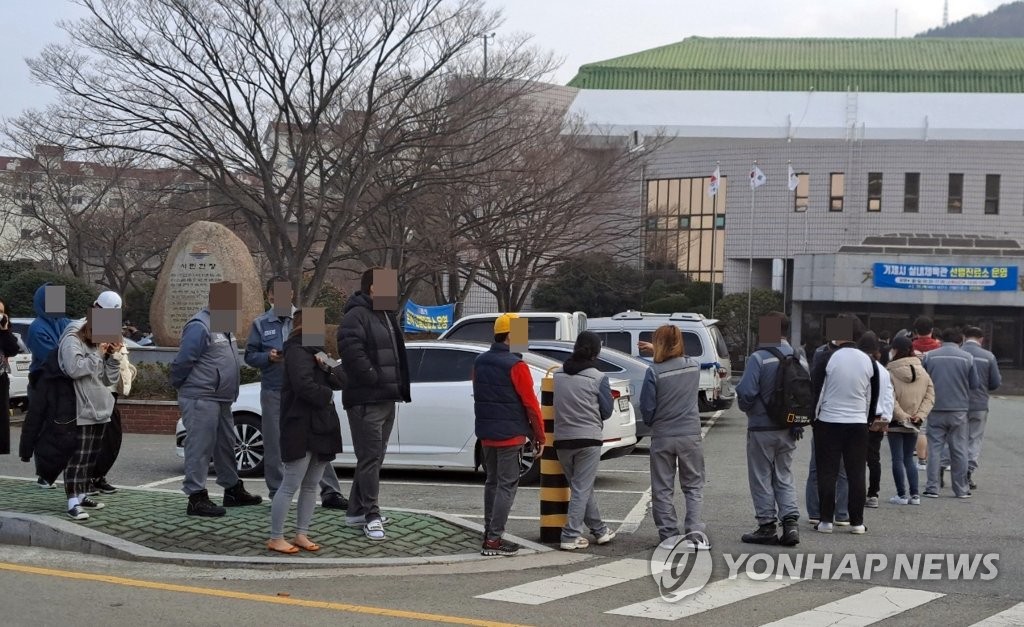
{"x":77,"y":513}
{"x":931,"y":495}
{"x":765,"y":534}
{"x":88,"y":503}
{"x":499,"y":547}
{"x":199,"y":504}
{"x":970,"y":481}
{"x":334,"y":501}
{"x":44,"y":484}
{"x":93,"y":490}
{"x":790,"y":533}
{"x":238,"y":497}
{"x":104,"y":487}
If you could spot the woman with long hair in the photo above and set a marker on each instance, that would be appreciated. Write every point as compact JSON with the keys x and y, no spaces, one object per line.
{"x":915,"y":396}
{"x":669,"y":406}
{"x":583,"y":401}
{"x":8,"y":348}
{"x":310,"y":436}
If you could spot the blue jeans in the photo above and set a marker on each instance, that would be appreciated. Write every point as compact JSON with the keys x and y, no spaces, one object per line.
{"x":904,"y":468}
{"x":811,"y":493}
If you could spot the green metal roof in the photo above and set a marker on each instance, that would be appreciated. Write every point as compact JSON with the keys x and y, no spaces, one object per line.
{"x":751,"y":64}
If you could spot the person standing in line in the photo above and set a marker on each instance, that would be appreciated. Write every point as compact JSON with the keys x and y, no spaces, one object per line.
{"x":42,"y":338}
{"x":924,"y":340}
{"x":841,"y":431}
{"x":310,"y":436}
{"x":883,"y":405}
{"x":265,"y":350}
{"x":915,"y":396}
{"x":770,"y":447}
{"x":989,"y":380}
{"x":372,"y":349}
{"x":93,"y":367}
{"x":955,"y":376}
{"x":8,"y":348}
{"x":884,"y":347}
{"x":583,"y":401}
{"x":206,"y":372}
{"x":669,"y":406}
{"x":507,"y":417}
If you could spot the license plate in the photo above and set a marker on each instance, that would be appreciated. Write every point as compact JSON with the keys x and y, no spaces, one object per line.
{"x":22,"y":366}
{"x":623,"y":404}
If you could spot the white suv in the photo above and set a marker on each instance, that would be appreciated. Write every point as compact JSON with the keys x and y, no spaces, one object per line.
{"x":701,"y":337}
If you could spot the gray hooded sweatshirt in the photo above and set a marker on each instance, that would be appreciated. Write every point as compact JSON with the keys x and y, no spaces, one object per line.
{"x":92,"y":374}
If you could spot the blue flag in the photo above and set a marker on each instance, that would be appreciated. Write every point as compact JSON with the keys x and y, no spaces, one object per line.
{"x":428,"y":319}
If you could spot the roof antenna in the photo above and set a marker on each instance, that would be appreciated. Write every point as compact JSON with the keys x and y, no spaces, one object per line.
{"x":945,"y":14}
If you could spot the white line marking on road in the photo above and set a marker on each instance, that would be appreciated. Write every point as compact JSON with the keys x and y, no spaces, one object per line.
{"x":636,"y":516}
{"x":714,"y":418}
{"x":161,"y":482}
{"x":578,"y":582}
{"x":714,"y":595}
{"x":1006,"y":618}
{"x":864,"y":608}
{"x":480,"y":486}
{"x":516,"y":517}
{"x":615,"y":470}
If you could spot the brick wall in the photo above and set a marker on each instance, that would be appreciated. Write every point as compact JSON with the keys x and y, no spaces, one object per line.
{"x":153,"y":417}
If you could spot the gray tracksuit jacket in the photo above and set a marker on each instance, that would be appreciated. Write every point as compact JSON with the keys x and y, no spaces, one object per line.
{"x":954,"y":375}
{"x":989,"y":377}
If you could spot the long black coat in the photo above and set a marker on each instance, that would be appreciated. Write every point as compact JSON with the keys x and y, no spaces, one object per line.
{"x":50,"y":432}
{"x":372,"y":350}
{"x":9,"y":348}
{"x":309,"y":420}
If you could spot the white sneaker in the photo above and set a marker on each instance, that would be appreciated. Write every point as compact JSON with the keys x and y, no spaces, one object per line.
{"x":899,"y":500}
{"x":669,"y":543}
{"x":374,"y":530}
{"x":915,"y":500}
{"x":579,"y":543}
{"x":858,"y":529}
{"x":842,"y":523}
{"x":605,"y":538}
{"x":699,"y":545}
{"x":824,"y":527}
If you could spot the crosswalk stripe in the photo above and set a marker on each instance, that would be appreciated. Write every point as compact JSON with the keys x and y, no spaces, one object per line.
{"x":714,"y":595}
{"x":578,"y":582}
{"x":872,"y":605}
{"x":1007,"y":618}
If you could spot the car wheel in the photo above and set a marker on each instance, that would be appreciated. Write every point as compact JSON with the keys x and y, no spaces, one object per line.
{"x":248,"y":445}
{"x":703,"y":405}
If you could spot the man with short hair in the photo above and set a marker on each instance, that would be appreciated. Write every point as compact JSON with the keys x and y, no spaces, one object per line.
{"x":955,"y":376}
{"x":507,"y":417}
{"x":265,"y":350}
{"x":372,"y":349}
{"x":989,"y":379}
{"x":924,"y":340}
{"x":206,"y":373}
{"x":770,"y":446}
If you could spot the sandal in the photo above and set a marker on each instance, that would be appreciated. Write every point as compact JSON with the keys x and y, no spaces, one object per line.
{"x":312,"y":546}
{"x":291,"y":550}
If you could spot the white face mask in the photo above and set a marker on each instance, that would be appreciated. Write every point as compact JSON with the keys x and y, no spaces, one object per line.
{"x":892,"y":355}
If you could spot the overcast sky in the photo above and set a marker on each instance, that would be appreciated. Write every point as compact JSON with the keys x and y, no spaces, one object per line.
{"x":578,"y":31}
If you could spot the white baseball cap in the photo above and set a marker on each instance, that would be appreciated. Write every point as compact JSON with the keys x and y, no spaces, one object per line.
{"x":108,"y":300}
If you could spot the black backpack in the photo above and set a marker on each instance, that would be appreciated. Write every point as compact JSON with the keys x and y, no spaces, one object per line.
{"x":792,"y":402}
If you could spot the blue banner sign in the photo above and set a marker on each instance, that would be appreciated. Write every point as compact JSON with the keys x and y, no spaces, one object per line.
{"x":946,"y":278}
{"x":428,"y":319}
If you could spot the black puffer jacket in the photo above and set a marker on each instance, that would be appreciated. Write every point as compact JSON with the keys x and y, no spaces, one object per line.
{"x":309,"y":421}
{"x":372,"y":350}
{"x":50,"y":432}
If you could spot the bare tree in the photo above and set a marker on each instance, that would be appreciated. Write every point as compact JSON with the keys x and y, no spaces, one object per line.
{"x":286,"y":109}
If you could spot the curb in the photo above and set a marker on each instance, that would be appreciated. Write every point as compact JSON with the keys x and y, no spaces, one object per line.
{"x":50,"y":532}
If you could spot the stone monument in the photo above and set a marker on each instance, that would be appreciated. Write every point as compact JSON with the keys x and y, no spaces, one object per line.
{"x":203,"y":253}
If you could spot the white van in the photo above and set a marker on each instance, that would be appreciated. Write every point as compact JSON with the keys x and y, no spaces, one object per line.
{"x":701,"y":337}
{"x":541,"y":325}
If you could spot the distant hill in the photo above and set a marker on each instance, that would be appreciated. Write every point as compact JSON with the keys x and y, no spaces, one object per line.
{"x":1005,"y":21}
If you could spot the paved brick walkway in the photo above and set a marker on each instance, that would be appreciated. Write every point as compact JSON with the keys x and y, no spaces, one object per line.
{"x":157,"y":520}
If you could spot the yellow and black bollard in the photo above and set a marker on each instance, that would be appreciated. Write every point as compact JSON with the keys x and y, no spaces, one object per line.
{"x":554,"y":488}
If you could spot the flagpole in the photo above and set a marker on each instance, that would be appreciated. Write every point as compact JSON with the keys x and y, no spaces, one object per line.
{"x":750,"y":262}
{"x":714,"y":235}
{"x":785,"y":256}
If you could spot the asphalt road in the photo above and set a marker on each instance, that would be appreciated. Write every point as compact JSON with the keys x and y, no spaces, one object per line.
{"x":988,"y":523}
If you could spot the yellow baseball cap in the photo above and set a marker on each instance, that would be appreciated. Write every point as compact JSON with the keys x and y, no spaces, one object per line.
{"x":504,"y":323}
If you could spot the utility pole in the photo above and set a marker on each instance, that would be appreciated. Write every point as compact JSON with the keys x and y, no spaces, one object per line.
{"x":485,"y":38}
{"x":945,"y":13}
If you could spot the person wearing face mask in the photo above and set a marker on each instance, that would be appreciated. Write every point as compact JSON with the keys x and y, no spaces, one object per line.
{"x":8,"y":348}
{"x":93,"y":367}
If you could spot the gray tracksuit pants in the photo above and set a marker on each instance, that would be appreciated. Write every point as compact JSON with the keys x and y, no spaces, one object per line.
{"x":669,"y":453}
{"x":948,"y":427}
{"x":770,"y":475}
{"x":580,"y":468}
{"x":210,"y":433}
{"x":501,"y":464}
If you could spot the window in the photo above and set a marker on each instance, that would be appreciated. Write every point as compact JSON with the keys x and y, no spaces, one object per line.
{"x":476,"y":331}
{"x":837,"y":181}
{"x":445,"y":365}
{"x":911,"y":192}
{"x":685,"y":227}
{"x":991,"y":194}
{"x":691,"y":342}
{"x":956,"y":194}
{"x":619,"y":340}
{"x":874,"y":191}
{"x":801,"y":195}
